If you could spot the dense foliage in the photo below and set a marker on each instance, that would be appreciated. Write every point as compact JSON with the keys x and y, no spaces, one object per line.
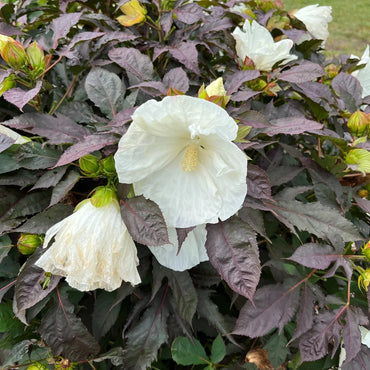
{"x":286,"y":281}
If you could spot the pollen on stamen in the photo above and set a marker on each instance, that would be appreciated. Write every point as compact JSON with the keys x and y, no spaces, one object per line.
{"x":190,"y":160}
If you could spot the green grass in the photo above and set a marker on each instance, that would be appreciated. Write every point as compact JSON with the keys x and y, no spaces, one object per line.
{"x":350,"y":28}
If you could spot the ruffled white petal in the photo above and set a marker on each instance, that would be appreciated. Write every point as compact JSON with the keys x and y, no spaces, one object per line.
{"x":192,"y":251}
{"x":316,"y":19}
{"x":189,"y":188}
{"x":256,"y":43}
{"x":92,"y":249}
{"x":363,"y":75}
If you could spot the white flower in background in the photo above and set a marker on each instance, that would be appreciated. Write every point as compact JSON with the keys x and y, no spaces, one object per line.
{"x":316,"y":19}
{"x":19,"y":139}
{"x":256,"y":43}
{"x":363,"y":75}
{"x":178,"y":153}
{"x":192,"y":250}
{"x":365,"y":340}
{"x":92,"y":247}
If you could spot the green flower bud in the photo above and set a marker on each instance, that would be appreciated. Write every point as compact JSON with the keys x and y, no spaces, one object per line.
{"x":7,"y":84}
{"x":331,"y":70}
{"x":36,"y":59}
{"x":257,"y":84}
{"x":13,"y":52}
{"x":27,"y":243}
{"x":359,"y":123}
{"x":103,"y":195}
{"x":89,"y":165}
{"x":36,"y":366}
{"x":361,"y":158}
{"x":108,"y":166}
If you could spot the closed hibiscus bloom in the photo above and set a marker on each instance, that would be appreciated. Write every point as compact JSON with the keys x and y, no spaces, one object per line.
{"x":92,"y":248}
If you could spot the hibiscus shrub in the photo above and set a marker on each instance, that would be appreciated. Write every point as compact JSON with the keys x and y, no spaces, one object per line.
{"x":184,"y":184}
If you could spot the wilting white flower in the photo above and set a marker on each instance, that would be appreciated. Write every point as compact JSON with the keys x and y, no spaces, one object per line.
{"x":192,"y":250}
{"x":316,"y":19}
{"x":256,"y":43}
{"x":92,"y":249}
{"x":19,"y":139}
{"x":363,"y":75}
{"x":178,"y":153}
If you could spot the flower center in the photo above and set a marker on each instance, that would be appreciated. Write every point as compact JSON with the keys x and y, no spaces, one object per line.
{"x":190,"y":160}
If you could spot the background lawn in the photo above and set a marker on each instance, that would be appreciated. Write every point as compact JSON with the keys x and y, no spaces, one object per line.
{"x":350,"y":28}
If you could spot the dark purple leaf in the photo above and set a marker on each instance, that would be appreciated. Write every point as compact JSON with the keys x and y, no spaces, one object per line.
{"x":62,"y":25}
{"x":28,"y":290}
{"x":20,"y":97}
{"x":133,"y":61}
{"x":50,"y":178}
{"x":166,"y":22}
{"x":253,"y":118}
{"x":63,"y":187}
{"x":234,"y":81}
{"x":316,"y":91}
{"x":233,"y":252}
{"x":153,"y":88}
{"x":292,"y":126}
{"x":258,"y":183}
{"x":213,"y":24}
{"x":65,"y":333}
{"x":144,"y":221}
{"x":122,"y":117}
{"x":189,"y":13}
{"x":187,"y":54}
{"x":88,"y":145}
{"x":184,"y":293}
{"x":7,"y":29}
{"x":118,"y":36}
{"x":305,"y":72}
{"x":41,"y":222}
{"x":341,"y":261}
{"x":244,"y":95}
{"x":360,"y":362}
{"x":349,"y":90}
{"x":5,"y":142}
{"x":83,"y":36}
{"x":279,"y":175}
{"x":177,"y":79}
{"x":352,"y":334}
{"x":159,"y":50}
{"x":19,"y":178}
{"x":318,"y":256}
{"x":105,"y":90}
{"x":59,"y":129}
{"x":254,"y":218}
{"x":182,"y":233}
{"x":305,"y":313}
{"x":363,"y":203}
{"x":274,"y":306}
{"x":325,"y":333}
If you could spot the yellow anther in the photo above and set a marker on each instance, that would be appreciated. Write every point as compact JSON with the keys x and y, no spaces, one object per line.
{"x":190,"y":160}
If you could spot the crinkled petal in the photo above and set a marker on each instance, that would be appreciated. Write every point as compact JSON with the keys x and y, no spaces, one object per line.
{"x":363,"y":75}
{"x":192,"y":251}
{"x":92,"y":249}
{"x":140,"y":153}
{"x":181,"y":115}
{"x":185,"y":198}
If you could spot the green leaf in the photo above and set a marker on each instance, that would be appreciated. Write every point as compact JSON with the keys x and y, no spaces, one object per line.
{"x":218,"y":350}
{"x":7,"y":321}
{"x":8,"y":163}
{"x":35,"y":156}
{"x":277,"y":349}
{"x":184,"y":352}
{"x":106,"y":90}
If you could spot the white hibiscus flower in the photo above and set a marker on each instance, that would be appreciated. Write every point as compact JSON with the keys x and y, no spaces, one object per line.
{"x":192,"y":250}
{"x":92,"y":248}
{"x":178,"y":153}
{"x":256,"y":43}
{"x":316,"y":19}
{"x":363,"y":75}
